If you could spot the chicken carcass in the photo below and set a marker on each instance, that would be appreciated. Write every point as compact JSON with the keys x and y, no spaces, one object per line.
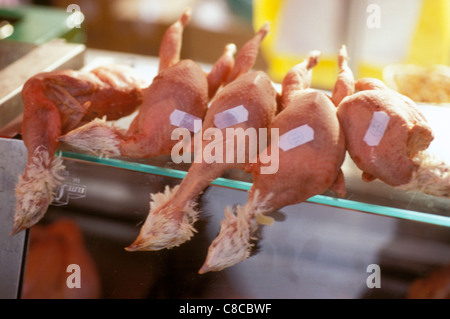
{"x":387,"y":137}
{"x":180,"y":89}
{"x":55,"y":103}
{"x":312,"y":150}
{"x":172,"y":213}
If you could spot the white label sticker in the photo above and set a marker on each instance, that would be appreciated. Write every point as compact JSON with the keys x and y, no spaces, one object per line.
{"x":233,"y":116}
{"x":296,"y":137}
{"x":185,"y":120}
{"x":377,"y":128}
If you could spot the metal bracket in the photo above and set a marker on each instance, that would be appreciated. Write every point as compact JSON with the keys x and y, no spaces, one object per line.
{"x":13,"y":156}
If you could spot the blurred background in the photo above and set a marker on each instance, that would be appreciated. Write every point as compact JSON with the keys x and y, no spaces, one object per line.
{"x":376,"y":32}
{"x":137,"y":26}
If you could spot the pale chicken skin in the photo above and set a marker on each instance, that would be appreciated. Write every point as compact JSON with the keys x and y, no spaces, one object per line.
{"x":55,"y":103}
{"x":180,"y":85}
{"x":170,"y":221}
{"x":406,"y":134}
{"x":309,"y":164}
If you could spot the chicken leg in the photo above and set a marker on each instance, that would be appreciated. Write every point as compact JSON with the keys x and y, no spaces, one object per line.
{"x":172,"y":214}
{"x":345,"y":83}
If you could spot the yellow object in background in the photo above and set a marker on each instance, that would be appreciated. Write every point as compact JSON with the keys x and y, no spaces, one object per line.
{"x":280,"y":56}
{"x":431,"y":41}
{"x":408,"y":32}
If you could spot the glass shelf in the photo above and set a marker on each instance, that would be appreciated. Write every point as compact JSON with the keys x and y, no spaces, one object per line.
{"x":375,"y":197}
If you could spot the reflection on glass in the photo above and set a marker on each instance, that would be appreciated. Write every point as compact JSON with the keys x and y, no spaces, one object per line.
{"x":241,"y":181}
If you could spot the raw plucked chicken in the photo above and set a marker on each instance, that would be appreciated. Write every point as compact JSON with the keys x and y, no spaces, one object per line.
{"x":178,"y":94}
{"x":55,"y":103}
{"x":312,"y":150}
{"x":251,"y":94}
{"x":387,"y":138}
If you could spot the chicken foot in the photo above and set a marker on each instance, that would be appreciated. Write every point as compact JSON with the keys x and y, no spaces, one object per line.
{"x":431,"y":177}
